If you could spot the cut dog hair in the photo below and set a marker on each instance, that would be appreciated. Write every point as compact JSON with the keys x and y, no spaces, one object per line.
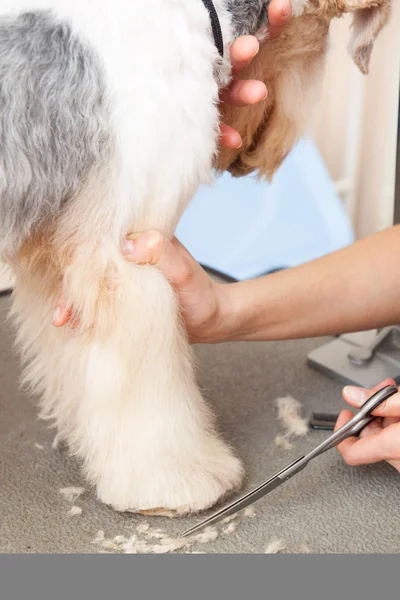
{"x":109,"y":123}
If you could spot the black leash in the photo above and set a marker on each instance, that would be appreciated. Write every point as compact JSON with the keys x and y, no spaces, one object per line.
{"x":216,"y":26}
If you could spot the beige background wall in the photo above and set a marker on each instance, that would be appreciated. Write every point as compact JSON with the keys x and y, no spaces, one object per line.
{"x":355,"y":125}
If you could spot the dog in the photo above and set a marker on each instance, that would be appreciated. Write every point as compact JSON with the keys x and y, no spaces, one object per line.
{"x":109,"y":123}
{"x":292,"y":67}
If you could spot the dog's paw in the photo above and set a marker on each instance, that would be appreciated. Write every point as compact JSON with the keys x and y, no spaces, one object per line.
{"x":182,"y":486}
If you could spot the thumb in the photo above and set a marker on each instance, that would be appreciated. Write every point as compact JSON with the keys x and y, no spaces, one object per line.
{"x":145,"y":248}
{"x":356,"y":397}
{"x":153,"y":248}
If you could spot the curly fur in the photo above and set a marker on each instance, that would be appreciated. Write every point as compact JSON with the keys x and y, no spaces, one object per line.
{"x":54,"y":122}
{"x":109,"y":123}
{"x":248,"y":16}
{"x":292,"y":68}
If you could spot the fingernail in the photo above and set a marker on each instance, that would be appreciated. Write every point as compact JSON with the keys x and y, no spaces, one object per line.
{"x":128,"y":247}
{"x":57,"y":315}
{"x":266,"y":96}
{"x":355,"y":394}
{"x":240,"y":145}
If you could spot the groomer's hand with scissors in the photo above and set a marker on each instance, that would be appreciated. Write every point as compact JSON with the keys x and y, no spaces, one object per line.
{"x":380,"y":440}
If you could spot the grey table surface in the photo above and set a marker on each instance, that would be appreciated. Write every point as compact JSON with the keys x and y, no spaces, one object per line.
{"x":329,"y":508}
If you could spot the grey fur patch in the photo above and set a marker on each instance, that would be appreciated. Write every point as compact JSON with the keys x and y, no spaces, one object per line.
{"x":54,"y":121}
{"x":248,"y":16}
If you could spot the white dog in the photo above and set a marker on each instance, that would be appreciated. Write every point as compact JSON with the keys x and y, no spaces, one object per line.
{"x":109,"y":123}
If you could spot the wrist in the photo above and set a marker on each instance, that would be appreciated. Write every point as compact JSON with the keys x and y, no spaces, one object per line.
{"x":246,"y":312}
{"x":229,"y":316}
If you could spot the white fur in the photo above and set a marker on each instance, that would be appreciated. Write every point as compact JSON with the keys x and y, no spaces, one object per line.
{"x":275,"y":547}
{"x":123,"y":395}
{"x":289,"y":413}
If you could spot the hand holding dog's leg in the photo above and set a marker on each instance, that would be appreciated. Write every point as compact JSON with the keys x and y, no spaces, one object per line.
{"x":240,"y":93}
{"x":199,"y":296}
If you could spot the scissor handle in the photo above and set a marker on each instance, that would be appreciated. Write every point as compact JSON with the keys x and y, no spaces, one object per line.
{"x":372,"y":403}
{"x":356,"y":424}
{"x":354,"y":431}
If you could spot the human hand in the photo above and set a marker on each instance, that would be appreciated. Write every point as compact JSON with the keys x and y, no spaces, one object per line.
{"x":201,"y":299}
{"x":240,"y":93}
{"x":380,"y":440}
{"x":243,"y":93}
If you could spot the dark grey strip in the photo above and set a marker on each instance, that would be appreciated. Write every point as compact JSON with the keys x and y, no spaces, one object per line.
{"x":216,"y":26}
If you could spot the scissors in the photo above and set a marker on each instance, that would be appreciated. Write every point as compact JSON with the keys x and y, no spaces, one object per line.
{"x":351,"y":428}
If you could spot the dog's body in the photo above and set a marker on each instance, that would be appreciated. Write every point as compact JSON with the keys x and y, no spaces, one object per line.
{"x":109,"y":123}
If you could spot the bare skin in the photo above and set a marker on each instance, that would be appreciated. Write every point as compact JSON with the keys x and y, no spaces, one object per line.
{"x":240,"y":93}
{"x":380,"y":441}
{"x":243,"y":93}
{"x":327,"y":296}
{"x":330,"y":295}
{"x":335,"y":294}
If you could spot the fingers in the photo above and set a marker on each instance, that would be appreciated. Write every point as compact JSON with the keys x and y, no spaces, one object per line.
{"x":229,"y":137}
{"x":375,"y":427}
{"x":343,"y":418}
{"x":152,"y":248}
{"x":279,"y":13}
{"x":244,"y":93}
{"x":62,"y":313}
{"x":388,"y":421}
{"x":366,"y":450}
{"x":357,"y":397}
{"x":243,"y":50}
{"x":241,"y":93}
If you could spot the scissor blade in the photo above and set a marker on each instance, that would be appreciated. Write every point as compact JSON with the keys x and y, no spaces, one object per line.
{"x":259,"y":492}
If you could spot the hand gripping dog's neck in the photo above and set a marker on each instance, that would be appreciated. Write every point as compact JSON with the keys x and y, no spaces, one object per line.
{"x":248,"y":17}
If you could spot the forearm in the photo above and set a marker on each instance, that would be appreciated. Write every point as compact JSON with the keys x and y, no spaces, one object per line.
{"x":353,"y":289}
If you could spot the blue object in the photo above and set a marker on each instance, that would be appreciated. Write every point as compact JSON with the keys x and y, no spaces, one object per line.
{"x":245,"y":227}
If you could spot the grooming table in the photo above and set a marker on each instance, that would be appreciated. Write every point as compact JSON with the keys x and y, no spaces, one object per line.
{"x":329,"y":508}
